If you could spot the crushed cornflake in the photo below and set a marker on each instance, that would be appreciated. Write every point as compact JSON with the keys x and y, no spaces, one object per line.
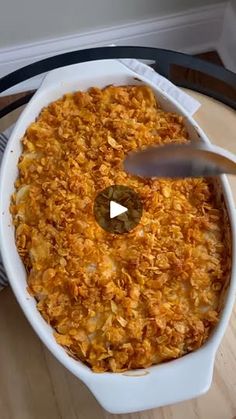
{"x":117,"y":302}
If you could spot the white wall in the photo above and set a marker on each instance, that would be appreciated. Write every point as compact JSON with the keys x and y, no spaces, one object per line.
{"x":233,"y":3}
{"x":227,"y":43}
{"x":24,"y":21}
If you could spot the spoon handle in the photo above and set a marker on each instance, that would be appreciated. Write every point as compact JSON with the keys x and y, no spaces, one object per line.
{"x":181,"y":160}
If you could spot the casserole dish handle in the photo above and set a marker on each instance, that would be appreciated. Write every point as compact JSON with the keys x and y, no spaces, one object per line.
{"x":172,"y":382}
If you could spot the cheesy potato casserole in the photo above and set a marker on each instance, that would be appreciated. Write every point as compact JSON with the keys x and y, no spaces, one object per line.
{"x":117,"y":302}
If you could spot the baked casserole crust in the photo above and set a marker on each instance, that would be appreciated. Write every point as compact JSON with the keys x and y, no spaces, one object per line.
{"x":117,"y":302}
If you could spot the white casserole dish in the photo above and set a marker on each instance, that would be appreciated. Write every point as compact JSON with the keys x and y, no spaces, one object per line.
{"x":171,"y":382}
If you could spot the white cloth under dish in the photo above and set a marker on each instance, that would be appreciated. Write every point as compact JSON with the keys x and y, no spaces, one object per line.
{"x":189,"y":104}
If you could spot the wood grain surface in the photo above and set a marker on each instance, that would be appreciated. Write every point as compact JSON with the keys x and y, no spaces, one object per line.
{"x":33,"y":385}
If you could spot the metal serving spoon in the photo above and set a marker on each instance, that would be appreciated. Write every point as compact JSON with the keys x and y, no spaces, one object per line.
{"x":194,"y":159}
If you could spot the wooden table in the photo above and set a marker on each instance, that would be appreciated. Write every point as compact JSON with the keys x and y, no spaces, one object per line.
{"x":33,"y":385}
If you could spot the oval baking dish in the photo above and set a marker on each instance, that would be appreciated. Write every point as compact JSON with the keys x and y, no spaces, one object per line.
{"x":135,"y":390}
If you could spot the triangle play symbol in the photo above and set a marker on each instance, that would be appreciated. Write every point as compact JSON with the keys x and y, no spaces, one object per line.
{"x":116,"y":209}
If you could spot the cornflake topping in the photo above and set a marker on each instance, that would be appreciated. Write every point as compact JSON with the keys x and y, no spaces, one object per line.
{"x":116,"y":302}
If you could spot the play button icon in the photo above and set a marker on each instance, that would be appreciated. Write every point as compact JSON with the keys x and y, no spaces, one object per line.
{"x":117,"y":209}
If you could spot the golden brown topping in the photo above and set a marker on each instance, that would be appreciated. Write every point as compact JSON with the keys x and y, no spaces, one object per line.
{"x":116,"y":302}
